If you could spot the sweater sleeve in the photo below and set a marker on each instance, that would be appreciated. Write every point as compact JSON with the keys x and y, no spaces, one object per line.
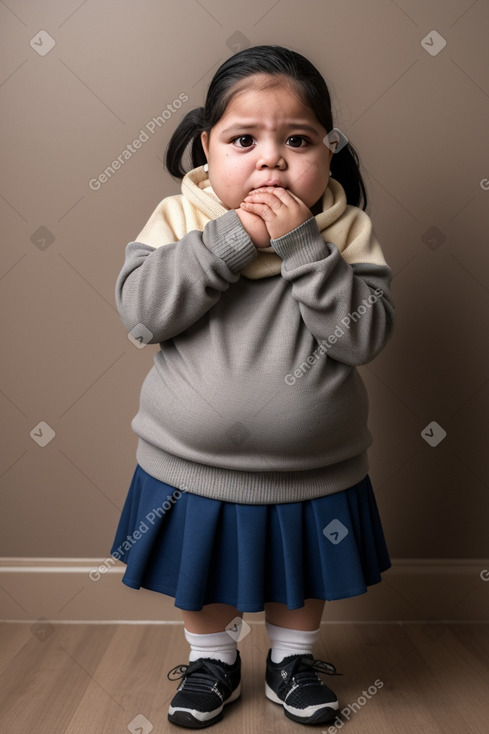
{"x":346,"y":307}
{"x":167,"y":289}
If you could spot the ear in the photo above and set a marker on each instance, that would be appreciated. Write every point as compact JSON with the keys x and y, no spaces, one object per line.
{"x":204,"y":139}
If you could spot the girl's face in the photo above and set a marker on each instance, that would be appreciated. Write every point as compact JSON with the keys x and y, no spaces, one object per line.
{"x":267,"y":137}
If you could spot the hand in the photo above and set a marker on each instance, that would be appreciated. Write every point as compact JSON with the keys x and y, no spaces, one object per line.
{"x":255,"y":227}
{"x":281,"y":210}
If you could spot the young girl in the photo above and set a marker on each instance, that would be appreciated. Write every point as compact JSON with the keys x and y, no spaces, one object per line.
{"x":265,"y":287}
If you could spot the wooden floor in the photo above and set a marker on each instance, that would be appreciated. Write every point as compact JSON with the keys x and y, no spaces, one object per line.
{"x":103,"y":679}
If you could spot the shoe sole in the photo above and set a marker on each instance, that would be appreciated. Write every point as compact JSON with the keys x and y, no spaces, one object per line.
{"x":184,"y":717}
{"x":322,"y":716}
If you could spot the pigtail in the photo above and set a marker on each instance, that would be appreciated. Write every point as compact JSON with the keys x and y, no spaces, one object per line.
{"x":345,"y":168}
{"x":188,"y":132}
{"x":345,"y":165}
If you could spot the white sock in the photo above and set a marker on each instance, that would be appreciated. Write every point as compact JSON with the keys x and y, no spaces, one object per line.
{"x":215,"y":645}
{"x":287,"y":642}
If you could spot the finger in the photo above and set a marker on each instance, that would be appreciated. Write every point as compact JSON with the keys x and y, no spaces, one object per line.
{"x":273,"y":195}
{"x":261,"y":209}
{"x":271,"y":199}
{"x":257,"y":206}
{"x":274,"y":190}
{"x":249,"y":208}
{"x":299,"y":201}
{"x":262,"y":195}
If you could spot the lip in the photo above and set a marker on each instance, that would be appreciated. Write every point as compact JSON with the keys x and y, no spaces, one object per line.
{"x":269,"y":183}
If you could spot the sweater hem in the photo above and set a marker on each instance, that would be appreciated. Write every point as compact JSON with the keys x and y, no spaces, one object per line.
{"x":247,"y":487}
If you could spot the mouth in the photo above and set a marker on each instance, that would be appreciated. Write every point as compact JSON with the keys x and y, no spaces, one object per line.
{"x":274,"y":185}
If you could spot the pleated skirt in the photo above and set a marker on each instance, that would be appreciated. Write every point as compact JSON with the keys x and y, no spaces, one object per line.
{"x":201,"y":551}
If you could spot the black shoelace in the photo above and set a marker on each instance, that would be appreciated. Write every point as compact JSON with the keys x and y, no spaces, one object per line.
{"x":304,"y":670}
{"x":201,"y":675}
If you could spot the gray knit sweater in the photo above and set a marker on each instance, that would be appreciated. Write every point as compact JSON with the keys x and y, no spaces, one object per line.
{"x":254,"y":395}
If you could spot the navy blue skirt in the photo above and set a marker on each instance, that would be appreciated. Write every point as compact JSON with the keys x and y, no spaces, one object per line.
{"x":201,"y":551}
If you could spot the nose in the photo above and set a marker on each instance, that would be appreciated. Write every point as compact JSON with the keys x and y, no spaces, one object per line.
{"x":270,"y":156}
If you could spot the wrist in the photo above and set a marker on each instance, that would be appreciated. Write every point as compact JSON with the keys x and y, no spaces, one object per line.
{"x":302,"y":245}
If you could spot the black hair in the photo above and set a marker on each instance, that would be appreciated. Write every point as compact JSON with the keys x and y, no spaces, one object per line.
{"x":271,"y":60}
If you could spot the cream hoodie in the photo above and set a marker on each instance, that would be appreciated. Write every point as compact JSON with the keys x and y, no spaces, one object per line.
{"x":347,"y":226}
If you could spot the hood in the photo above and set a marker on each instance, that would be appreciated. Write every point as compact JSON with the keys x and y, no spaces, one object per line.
{"x":346,"y":226}
{"x":197,"y":189}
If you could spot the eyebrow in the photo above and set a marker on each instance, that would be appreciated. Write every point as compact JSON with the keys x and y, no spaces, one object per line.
{"x":252,"y":126}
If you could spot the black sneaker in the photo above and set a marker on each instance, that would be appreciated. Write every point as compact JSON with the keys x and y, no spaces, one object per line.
{"x":295,"y":685}
{"x":206,"y":687}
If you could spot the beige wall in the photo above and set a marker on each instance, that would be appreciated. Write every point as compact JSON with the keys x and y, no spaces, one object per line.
{"x":420,"y":123}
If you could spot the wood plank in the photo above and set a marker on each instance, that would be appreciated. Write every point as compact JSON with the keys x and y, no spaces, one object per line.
{"x":459,"y":679}
{"x":74,"y":679}
{"x":13,"y":637}
{"x":130,"y":683}
{"x":41,"y":686}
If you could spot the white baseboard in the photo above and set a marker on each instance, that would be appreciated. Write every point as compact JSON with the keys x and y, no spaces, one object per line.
{"x":91,"y":590}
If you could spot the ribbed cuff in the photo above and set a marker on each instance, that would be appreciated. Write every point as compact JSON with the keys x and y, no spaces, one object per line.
{"x":302,"y":245}
{"x":227,"y":238}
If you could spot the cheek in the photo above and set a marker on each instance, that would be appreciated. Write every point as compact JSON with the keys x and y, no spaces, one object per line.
{"x":225,"y":189}
{"x":313,"y":188}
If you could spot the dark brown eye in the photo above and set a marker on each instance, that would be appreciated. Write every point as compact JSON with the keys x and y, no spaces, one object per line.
{"x":244,"y":137}
{"x":299,"y":138}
